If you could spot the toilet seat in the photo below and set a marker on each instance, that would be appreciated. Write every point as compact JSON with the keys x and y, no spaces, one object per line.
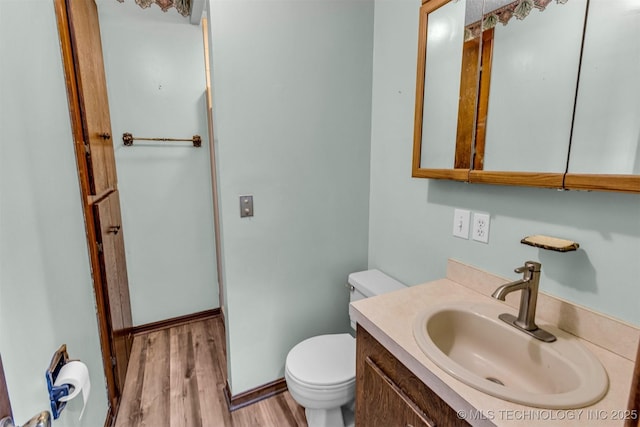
{"x":323,"y":361}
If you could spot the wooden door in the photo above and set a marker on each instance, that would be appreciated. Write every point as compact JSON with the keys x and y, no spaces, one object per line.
{"x":84,"y":29}
{"x":5,"y":403}
{"x":116,"y":285}
{"x":81,"y":47}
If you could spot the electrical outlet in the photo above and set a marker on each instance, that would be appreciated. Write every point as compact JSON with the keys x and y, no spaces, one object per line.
{"x":480,"y":229}
{"x":461,"y":223}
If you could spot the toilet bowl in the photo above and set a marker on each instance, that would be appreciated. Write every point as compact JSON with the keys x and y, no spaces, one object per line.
{"x":320,"y":375}
{"x":320,"y":371}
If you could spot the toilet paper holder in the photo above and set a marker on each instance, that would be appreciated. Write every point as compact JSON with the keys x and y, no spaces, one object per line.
{"x":59,"y":359}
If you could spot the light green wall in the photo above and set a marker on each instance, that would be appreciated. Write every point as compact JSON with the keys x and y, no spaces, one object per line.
{"x":154,"y":64}
{"x":295,"y":114}
{"x":46,"y":291}
{"x":292,"y":87}
{"x":411,"y":219}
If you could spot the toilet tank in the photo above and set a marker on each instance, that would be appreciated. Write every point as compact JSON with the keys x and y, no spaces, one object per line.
{"x":365,"y":284}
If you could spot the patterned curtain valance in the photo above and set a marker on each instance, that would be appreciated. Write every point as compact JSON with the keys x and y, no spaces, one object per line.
{"x":519,"y":8}
{"x":182,"y":6}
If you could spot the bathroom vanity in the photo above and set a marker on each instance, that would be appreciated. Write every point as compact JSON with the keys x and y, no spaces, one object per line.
{"x":398,"y":384}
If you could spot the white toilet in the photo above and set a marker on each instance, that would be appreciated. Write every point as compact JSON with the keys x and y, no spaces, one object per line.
{"x":321,"y":371}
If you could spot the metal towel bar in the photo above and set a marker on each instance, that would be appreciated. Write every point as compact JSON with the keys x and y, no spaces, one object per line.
{"x":128,"y":139}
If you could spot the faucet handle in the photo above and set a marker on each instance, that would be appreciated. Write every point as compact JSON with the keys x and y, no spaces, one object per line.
{"x":531,"y":266}
{"x":520,"y":269}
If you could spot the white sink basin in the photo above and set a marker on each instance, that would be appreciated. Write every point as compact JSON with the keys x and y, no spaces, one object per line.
{"x":469,"y":342}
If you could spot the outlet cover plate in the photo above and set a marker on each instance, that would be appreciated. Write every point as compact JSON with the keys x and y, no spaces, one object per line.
{"x":461,"y":223}
{"x":246,"y":206}
{"x":480,"y":229}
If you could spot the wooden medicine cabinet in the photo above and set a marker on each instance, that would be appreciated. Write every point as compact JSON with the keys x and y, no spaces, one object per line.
{"x":531,"y":93}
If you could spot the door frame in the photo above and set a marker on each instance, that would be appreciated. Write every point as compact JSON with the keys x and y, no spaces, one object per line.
{"x":104,"y":324}
{"x":5,"y":402}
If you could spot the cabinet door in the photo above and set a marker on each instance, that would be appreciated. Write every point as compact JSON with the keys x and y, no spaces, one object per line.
{"x":389,"y":394}
{"x":386,"y":404}
{"x":92,"y":92}
{"x":605,"y":152}
{"x":445,"y":110}
{"x":116,"y":284}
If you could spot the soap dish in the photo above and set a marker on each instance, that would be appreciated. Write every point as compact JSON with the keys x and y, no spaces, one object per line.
{"x":550,"y":243}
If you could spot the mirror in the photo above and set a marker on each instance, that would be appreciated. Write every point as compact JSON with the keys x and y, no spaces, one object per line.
{"x":446,"y":90}
{"x":533,"y":60}
{"x":445,"y":30}
{"x":606,"y":134}
{"x":555,"y":104}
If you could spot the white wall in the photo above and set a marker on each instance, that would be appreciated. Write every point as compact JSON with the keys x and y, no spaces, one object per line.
{"x":411,"y":219}
{"x":154,"y":62}
{"x":292,"y":85}
{"x":46,"y":291}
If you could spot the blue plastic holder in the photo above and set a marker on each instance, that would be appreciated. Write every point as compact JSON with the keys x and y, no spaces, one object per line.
{"x":59,"y":359}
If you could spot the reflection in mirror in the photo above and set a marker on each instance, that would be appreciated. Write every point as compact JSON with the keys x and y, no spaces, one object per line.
{"x":446,"y":104}
{"x":606,"y":134}
{"x":445,"y":30}
{"x":534,"y":64}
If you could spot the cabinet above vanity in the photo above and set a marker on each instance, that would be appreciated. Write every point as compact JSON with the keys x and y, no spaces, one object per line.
{"x":537,"y":93}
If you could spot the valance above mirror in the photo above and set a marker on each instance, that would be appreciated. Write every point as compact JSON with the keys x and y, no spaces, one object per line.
{"x":494,"y":11}
{"x":182,"y":6}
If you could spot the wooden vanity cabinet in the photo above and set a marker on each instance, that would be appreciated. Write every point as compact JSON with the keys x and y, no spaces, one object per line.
{"x":389,"y":395}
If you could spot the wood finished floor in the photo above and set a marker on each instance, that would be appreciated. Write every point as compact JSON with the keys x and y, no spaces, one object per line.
{"x":176,"y":378}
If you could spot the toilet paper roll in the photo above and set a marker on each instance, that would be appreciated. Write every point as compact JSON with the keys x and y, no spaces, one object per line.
{"x":76,"y":374}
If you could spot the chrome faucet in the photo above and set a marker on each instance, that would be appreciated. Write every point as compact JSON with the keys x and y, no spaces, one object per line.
{"x":42,"y":419}
{"x":528,"y":299}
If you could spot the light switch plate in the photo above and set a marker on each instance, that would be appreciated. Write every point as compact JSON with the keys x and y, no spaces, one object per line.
{"x":246,"y":206}
{"x":461,"y":223}
{"x":480,"y":229}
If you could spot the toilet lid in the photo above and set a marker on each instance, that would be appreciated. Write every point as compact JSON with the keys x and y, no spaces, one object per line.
{"x":324,"y":360}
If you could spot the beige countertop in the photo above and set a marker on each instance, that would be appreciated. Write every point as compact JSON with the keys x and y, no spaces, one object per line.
{"x":390,"y":317}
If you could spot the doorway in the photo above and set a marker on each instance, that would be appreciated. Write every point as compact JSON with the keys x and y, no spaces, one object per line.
{"x":163,"y":187}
